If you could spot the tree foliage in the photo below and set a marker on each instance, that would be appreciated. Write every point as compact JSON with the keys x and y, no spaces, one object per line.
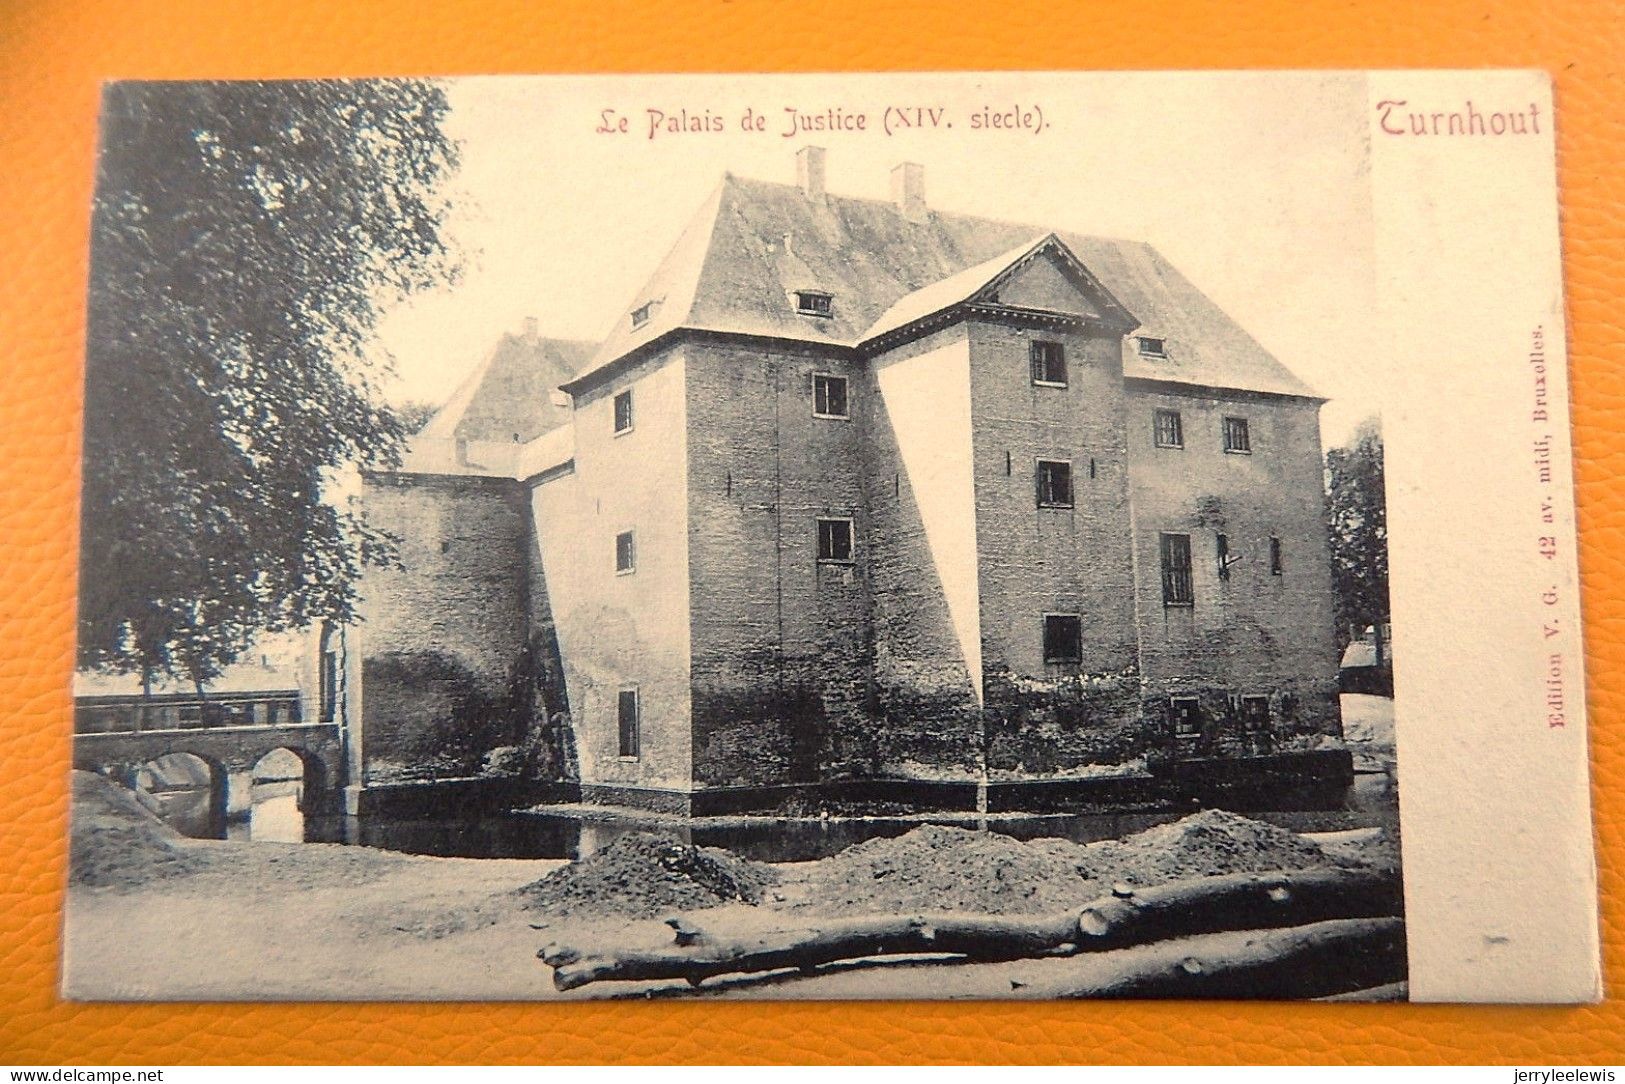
{"x":1357,"y":522}
{"x":246,"y":239}
{"x":415,"y":414}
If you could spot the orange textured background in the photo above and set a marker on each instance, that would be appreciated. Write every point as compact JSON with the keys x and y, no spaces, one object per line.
{"x":52,"y":56}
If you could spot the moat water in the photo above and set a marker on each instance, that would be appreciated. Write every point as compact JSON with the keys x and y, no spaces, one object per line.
{"x":275,"y":816}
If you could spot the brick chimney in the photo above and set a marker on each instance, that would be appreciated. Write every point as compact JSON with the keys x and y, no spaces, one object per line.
{"x":908,"y":190}
{"x":810,"y":172}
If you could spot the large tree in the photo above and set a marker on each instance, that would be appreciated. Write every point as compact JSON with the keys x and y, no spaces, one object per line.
{"x":246,"y":239}
{"x":1357,"y":522}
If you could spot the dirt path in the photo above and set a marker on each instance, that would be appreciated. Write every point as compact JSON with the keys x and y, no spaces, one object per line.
{"x":153,"y":916}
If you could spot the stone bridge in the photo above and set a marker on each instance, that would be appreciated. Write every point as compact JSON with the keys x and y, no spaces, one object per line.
{"x":231,"y":752}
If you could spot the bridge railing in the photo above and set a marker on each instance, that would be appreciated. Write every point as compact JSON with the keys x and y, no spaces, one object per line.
{"x":135,"y":714}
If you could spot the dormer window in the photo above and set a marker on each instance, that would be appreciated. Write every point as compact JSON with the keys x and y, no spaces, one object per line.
{"x":641,"y":314}
{"x":814,"y":303}
{"x":1151,"y":348}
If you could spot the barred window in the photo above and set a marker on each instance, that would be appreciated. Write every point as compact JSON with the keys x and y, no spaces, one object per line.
{"x":623,"y":411}
{"x":1054,"y":483}
{"x":1048,"y":363}
{"x":625,"y":553}
{"x":1170,"y":429}
{"x":1236,"y":438}
{"x":1176,"y":570}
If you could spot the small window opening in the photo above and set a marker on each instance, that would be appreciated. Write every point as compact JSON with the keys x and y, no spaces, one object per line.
{"x":1063,"y":638}
{"x":1221,"y":551}
{"x":328,"y":679}
{"x":1170,"y":429}
{"x":1255,"y":712}
{"x":1236,"y":437}
{"x":629,"y":724}
{"x":1187,"y":716}
{"x":625,"y":553}
{"x":814,"y":303}
{"x":1048,"y":364}
{"x":641,"y":314}
{"x":623,"y":411}
{"x":445,"y":545}
{"x":1151,"y":348}
{"x":1275,"y":557}
{"x":835,"y":540}
{"x":1054,"y":483}
{"x":829,"y":396}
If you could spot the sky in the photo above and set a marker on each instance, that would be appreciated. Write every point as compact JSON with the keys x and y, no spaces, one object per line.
{"x":1256,"y":185}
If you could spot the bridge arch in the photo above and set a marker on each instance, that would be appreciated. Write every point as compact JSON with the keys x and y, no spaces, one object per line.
{"x":187,"y":789}
{"x":233,"y":750}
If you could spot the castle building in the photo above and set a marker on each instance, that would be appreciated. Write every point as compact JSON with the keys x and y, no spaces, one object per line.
{"x":858,"y":489}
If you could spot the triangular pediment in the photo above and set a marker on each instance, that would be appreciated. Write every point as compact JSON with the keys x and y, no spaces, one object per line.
{"x":1050,"y":278}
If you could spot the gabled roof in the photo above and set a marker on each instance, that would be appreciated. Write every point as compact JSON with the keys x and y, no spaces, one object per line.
{"x":510,"y":395}
{"x":983,"y":280}
{"x":740,"y":261}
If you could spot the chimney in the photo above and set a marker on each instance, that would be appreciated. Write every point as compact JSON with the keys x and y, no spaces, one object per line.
{"x":532,"y":331}
{"x":810,"y":172}
{"x":908,"y":190}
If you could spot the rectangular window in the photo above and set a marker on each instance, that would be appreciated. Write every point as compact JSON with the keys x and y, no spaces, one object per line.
{"x":1054,"y":483}
{"x":1063,"y":638}
{"x":1049,"y":364}
{"x":1275,"y":556}
{"x":1170,"y":429}
{"x":640,"y":315}
{"x":623,"y":411}
{"x":1151,"y":348}
{"x":814,"y":303}
{"x":1176,"y":570}
{"x":1187,"y":715}
{"x":630,"y":726}
{"x":1236,"y":438}
{"x":829,"y":396}
{"x":1255,"y":713}
{"x":328,"y":678}
{"x":1221,"y":553}
{"x":835,"y":540}
{"x":626,"y":554}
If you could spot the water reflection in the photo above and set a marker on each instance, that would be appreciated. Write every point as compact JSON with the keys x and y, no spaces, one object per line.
{"x":275,"y":815}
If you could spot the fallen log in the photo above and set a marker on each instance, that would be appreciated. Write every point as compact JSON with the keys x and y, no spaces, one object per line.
{"x":1298,"y":962}
{"x":1393,"y":991}
{"x":698,"y":955}
{"x":1348,"y":836}
{"x":1237,"y":901}
{"x":1130,"y":916}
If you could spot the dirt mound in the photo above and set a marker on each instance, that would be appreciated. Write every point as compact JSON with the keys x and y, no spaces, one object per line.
{"x":118,"y":843}
{"x":1204,"y":844}
{"x":647,"y":876}
{"x":934,"y":868}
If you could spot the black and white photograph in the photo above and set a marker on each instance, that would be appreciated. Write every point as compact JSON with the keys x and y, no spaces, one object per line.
{"x":882,"y":537}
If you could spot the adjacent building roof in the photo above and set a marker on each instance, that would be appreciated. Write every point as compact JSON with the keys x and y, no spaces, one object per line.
{"x":512,"y":395}
{"x":754,"y":244}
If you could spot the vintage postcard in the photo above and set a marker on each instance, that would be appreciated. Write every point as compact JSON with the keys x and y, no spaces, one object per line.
{"x":890,"y":536}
